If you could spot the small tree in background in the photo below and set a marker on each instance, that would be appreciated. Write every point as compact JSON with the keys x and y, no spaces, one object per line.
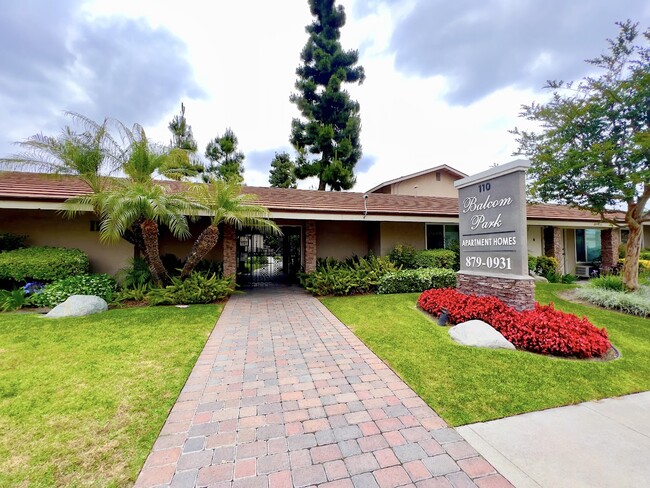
{"x":282,"y":173}
{"x":328,"y":133}
{"x":227,"y":163}
{"x":593,"y":150}
{"x":182,"y":161}
{"x":182,"y":137}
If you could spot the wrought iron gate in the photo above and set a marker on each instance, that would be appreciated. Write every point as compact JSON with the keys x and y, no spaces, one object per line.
{"x":264,"y":259}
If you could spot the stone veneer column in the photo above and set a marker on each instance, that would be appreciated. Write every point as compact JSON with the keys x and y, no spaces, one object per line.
{"x":554,"y":245}
{"x":229,"y":250}
{"x":609,"y":242}
{"x":311,"y":246}
{"x":519,"y":294}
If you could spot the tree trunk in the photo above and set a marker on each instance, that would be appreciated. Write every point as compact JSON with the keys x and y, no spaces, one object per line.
{"x":152,"y":251}
{"x":202,"y":246}
{"x":322,"y":185}
{"x":133,"y":235}
{"x":632,"y":250}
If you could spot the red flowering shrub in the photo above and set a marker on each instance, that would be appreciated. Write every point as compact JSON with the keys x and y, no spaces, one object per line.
{"x":543,"y":330}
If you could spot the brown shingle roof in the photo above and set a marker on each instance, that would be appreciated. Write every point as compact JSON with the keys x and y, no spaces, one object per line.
{"x":58,"y":188}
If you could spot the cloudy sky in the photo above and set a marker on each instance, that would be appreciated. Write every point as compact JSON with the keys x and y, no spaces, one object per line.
{"x":444,"y":79}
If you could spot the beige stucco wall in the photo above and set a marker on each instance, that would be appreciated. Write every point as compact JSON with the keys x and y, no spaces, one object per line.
{"x":393,"y":233}
{"x":535,"y":240}
{"x":49,"y":228}
{"x":341,"y":240}
{"x":427,"y":186}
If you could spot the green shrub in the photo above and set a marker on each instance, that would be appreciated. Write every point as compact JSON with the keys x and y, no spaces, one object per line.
{"x":543,"y":265}
{"x":9,"y":242}
{"x":636,"y":303}
{"x":435,"y":258}
{"x":356,"y":275}
{"x":416,"y":280}
{"x":134,"y":275}
{"x":608,"y":282}
{"x":555,"y":277}
{"x":645,"y":255}
{"x":12,"y":300}
{"x":403,"y":255}
{"x":136,"y":293}
{"x":101,"y":285}
{"x":621,"y":251}
{"x":209,"y":267}
{"x":42,"y":263}
{"x":196,"y":288}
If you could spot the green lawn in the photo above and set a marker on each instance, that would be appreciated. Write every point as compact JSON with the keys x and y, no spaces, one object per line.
{"x":82,"y":399}
{"x":465,"y":385}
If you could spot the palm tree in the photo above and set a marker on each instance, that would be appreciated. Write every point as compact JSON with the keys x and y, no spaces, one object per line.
{"x":225,"y":203}
{"x":91,"y":154}
{"x":133,"y":208}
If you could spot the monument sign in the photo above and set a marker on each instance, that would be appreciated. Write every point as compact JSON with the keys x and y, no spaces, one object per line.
{"x":493,"y":235}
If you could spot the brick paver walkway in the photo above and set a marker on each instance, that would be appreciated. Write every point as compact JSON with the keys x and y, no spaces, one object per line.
{"x":285,"y":395}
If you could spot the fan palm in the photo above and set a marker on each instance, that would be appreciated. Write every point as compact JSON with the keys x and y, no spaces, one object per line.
{"x":90,"y":154}
{"x":225,"y":204}
{"x":143,"y":205}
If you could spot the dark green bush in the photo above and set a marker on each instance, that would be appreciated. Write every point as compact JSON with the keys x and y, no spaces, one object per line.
{"x":542,"y":265}
{"x":9,"y":242}
{"x":101,"y":285}
{"x":435,"y":258}
{"x":196,"y":288}
{"x":555,"y":277}
{"x":356,"y":275}
{"x":403,"y":255}
{"x":136,"y":274}
{"x":416,"y":280}
{"x":42,"y":264}
{"x":645,"y":255}
{"x":209,"y":267}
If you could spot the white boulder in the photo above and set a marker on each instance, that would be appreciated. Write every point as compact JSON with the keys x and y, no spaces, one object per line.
{"x":479,"y":334}
{"x":77,"y":306}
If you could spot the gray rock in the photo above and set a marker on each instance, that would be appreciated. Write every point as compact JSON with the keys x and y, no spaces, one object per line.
{"x":77,"y":306}
{"x":479,"y":334}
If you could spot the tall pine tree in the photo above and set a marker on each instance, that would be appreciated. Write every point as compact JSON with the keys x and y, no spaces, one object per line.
{"x":327,"y":135}
{"x":226,"y":161}
{"x":182,"y":161}
{"x":182,"y":137}
{"x":283,"y":171}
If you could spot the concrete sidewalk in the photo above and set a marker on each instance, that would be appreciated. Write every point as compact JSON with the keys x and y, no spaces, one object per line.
{"x":595,"y":444}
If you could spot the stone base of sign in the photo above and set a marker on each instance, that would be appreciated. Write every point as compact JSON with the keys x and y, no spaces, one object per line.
{"x":518,"y":293}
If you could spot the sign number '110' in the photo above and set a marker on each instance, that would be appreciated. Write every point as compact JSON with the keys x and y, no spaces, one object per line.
{"x":489,"y":262}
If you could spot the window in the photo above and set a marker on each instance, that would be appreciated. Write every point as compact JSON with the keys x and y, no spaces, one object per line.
{"x":625,"y":235}
{"x":587,"y":245}
{"x":437,"y":175}
{"x":440,"y":236}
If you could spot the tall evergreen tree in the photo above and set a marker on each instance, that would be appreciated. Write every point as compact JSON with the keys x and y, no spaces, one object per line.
{"x":182,"y":137}
{"x":182,"y":161}
{"x":227,"y":163}
{"x":328,"y":133}
{"x":283,"y":171}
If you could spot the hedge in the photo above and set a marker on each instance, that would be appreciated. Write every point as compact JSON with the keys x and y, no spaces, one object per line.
{"x":9,"y":241}
{"x":42,"y":264}
{"x":435,"y":258}
{"x":413,"y":280}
